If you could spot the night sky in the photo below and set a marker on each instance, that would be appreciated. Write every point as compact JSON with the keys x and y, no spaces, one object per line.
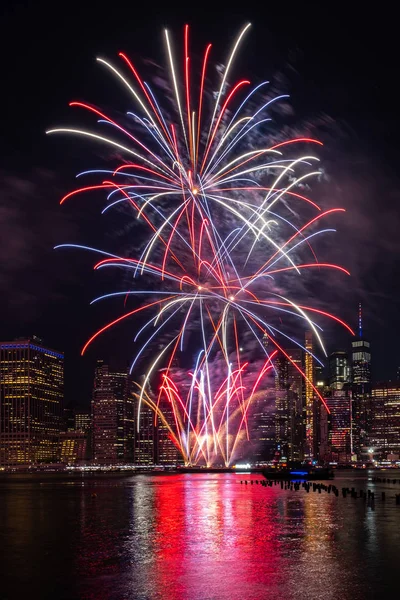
{"x":341,"y":70}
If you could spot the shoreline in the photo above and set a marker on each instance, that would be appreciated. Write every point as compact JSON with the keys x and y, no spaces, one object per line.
{"x":37,"y":476}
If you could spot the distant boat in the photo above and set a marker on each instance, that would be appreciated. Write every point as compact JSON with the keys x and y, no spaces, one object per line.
{"x":305,"y":472}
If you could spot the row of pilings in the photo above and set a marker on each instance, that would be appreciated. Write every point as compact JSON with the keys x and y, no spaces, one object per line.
{"x":385,"y":480}
{"x":366,"y":495}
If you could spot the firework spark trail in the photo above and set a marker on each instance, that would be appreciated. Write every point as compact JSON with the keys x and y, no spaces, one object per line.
{"x":212,"y":206}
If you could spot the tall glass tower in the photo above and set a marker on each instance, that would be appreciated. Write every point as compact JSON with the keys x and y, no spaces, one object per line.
{"x":31,"y":398}
{"x":112,"y":416}
{"x":361,"y":356}
{"x":309,"y":370}
{"x":361,"y":387}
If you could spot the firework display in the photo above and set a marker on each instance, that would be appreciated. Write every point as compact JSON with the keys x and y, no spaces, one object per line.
{"x":225,"y":220}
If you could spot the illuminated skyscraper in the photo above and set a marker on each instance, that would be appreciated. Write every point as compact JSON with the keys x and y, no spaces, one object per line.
{"x":340,"y":405}
{"x":385,"y":428}
{"x":361,"y":387}
{"x":309,"y":369}
{"x":145,"y":435}
{"x":31,"y":398}
{"x":361,"y":362}
{"x":282,"y":408}
{"x":339,"y":400}
{"x":296,"y":384}
{"x":361,"y":357}
{"x":83,"y":425}
{"x":261,"y":427}
{"x":289,"y":405}
{"x":112,"y":417}
{"x":166,"y":451}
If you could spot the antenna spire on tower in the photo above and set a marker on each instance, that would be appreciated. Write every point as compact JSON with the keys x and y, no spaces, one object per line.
{"x":359,"y":320}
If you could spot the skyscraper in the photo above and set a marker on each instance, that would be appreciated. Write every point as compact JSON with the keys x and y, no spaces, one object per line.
{"x":361,"y":362}
{"x":261,"y":446}
{"x":112,"y":416}
{"x":339,"y":370}
{"x":145,"y":434}
{"x":310,"y":417}
{"x":339,"y":401}
{"x":361,"y":388}
{"x":296,"y":384}
{"x":385,"y":422}
{"x":283,"y":421}
{"x":340,"y":405}
{"x":83,"y":425}
{"x":166,"y":451}
{"x":361,"y":356}
{"x":31,"y":398}
{"x":289,"y":405}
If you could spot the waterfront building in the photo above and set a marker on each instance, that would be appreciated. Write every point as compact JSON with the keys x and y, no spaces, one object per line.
{"x":385,"y":428}
{"x":145,"y":434}
{"x":31,"y":402}
{"x":340,"y":441}
{"x":83,"y":424}
{"x":283,"y":421}
{"x":165,"y":450}
{"x":112,"y":416}
{"x":261,"y":445}
{"x":289,"y":428}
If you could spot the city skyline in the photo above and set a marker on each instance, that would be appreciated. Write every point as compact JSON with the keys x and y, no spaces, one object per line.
{"x":285,"y":421}
{"x":121,"y":364}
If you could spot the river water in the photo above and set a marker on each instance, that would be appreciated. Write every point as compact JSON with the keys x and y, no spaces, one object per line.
{"x":196,"y":537}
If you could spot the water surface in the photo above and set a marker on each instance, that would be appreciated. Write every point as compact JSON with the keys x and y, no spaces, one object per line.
{"x":196,"y":537}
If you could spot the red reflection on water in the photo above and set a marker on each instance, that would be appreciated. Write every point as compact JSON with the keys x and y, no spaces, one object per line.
{"x":215,"y":534}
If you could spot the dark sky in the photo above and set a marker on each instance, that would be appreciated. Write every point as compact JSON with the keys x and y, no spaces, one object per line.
{"x":342,"y":71}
